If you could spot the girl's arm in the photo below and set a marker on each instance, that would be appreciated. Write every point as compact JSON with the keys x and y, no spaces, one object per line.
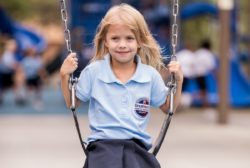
{"x":174,"y":67}
{"x":69,"y":65}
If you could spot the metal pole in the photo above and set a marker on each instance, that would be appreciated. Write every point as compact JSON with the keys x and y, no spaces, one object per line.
{"x":225,"y":7}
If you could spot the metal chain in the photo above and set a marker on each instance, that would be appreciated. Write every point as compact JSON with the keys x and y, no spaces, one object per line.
{"x":67,"y":37}
{"x":66,"y":30}
{"x":171,"y":84}
{"x":72,"y":80}
{"x":175,"y":28}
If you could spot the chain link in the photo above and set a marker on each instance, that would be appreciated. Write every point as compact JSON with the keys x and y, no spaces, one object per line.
{"x":172,"y":83}
{"x":67,"y":38}
{"x":73,"y":80}
{"x":66,"y":30}
{"x":175,"y":28}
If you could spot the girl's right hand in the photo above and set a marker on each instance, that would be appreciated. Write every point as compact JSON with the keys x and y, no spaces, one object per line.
{"x":69,"y":65}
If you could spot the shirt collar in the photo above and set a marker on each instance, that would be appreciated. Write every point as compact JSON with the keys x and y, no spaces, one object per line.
{"x":140,"y":74}
{"x":108,"y":76}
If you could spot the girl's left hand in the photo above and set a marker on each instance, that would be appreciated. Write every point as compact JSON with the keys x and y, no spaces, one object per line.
{"x":175,"y":67}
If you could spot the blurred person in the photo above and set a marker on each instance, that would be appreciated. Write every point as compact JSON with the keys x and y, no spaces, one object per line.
{"x":205,"y":64}
{"x":121,"y":83}
{"x":34,"y":74}
{"x":11,"y":75}
{"x":186,"y":57}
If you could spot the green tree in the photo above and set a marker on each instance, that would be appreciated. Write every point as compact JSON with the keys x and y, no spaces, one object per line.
{"x":45,"y":11}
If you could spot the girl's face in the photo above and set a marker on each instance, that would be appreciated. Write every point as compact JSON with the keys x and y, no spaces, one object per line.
{"x":121,"y":44}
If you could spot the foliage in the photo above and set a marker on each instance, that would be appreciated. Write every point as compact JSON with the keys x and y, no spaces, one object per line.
{"x":45,"y":11}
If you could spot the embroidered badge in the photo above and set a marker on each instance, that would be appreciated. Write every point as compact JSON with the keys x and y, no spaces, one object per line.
{"x":142,"y":107}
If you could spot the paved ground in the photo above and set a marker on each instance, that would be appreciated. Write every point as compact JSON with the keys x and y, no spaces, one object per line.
{"x":46,"y":138}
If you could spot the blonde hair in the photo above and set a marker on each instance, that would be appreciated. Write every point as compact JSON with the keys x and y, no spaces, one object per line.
{"x":149,"y":51}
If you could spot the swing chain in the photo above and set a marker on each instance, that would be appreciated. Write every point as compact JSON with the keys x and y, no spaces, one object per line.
{"x":172,"y":83}
{"x":73,"y":80}
{"x":66,"y":29}
{"x":175,"y":28}
{"x":67,"y":37}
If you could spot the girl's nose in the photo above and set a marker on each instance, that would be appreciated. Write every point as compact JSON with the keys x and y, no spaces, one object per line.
{"x":122,"y":44}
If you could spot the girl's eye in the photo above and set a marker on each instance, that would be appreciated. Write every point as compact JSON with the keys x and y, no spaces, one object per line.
{"x":114,"y":38}
{"x":130,"y":38}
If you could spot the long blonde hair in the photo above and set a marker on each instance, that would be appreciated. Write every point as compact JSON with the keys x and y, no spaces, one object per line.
{"x":149,"y":51}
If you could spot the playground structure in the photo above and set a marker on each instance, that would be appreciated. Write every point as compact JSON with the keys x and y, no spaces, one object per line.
{"x":239,"y":84}
{"x":24,"y":36}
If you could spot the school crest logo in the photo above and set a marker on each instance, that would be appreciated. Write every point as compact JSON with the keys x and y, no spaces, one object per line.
{"x":142,"y":107}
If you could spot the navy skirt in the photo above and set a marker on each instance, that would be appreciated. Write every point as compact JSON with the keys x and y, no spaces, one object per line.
{"x":119,"y":154}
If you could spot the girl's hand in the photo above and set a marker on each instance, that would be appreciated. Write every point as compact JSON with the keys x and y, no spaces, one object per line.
{"x":69,"y":65}
{"x":175,"y":67}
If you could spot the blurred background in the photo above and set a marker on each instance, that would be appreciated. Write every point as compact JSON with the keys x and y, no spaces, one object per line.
{"x":210,"y":128}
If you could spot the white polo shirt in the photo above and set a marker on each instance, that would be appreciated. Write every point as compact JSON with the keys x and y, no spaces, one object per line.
{"x":118,"y":110}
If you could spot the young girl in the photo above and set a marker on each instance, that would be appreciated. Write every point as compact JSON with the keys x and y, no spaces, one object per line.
{"x":121,"y":83}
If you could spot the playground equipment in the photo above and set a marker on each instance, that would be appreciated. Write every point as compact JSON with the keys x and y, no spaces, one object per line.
{"x":239,"y":84}
{"x":24,"y":37}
